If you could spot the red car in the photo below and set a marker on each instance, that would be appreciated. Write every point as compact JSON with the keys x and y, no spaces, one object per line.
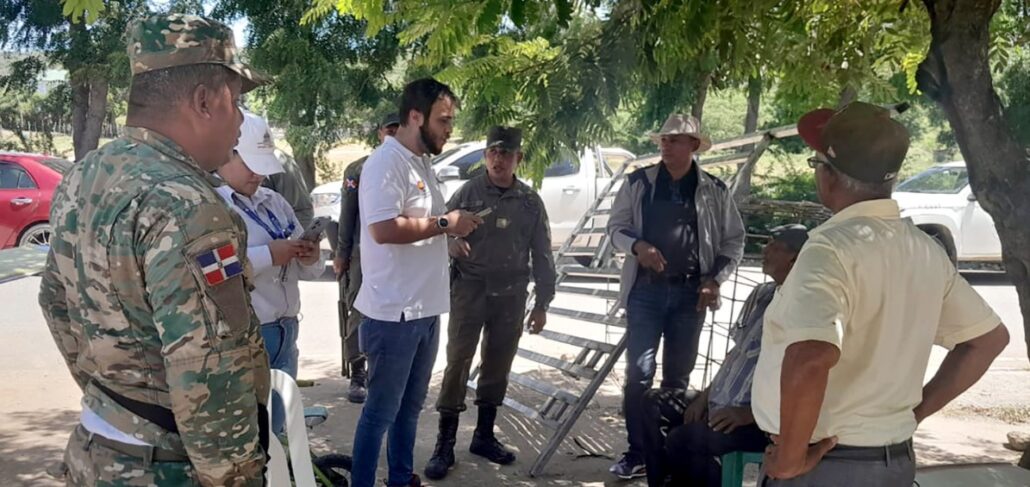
{"x":27,"y":183}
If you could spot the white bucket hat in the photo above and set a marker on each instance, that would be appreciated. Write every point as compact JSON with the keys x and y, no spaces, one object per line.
{"x":256,"y":146}
{"x":678,"y":123}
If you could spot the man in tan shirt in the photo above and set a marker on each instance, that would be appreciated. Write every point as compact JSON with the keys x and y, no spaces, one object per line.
{"x":846,"y":340}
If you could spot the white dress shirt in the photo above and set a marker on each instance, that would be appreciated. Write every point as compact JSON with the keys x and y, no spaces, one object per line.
{"x":409,"y":280}
{"x":275,"y":295}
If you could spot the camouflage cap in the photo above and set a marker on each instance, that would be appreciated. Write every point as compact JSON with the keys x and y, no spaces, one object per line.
{"x":168,"y":40}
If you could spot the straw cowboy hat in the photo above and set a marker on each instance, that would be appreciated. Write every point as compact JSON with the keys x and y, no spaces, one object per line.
{"x":683,"y":124}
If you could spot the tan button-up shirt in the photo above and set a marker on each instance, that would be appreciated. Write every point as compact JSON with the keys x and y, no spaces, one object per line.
{"x":883,"y":292}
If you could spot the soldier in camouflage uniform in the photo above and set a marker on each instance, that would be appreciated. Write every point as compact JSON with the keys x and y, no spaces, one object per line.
{"x":347,"y":265}
{"x":145,"y":289}
{"x":490,"y":274}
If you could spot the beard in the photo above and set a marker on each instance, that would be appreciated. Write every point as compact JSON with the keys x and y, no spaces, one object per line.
{"x":427,"y":140}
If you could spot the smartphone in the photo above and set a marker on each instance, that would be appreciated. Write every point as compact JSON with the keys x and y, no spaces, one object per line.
{"x":484,"y":213}
{"x":316,"y":231}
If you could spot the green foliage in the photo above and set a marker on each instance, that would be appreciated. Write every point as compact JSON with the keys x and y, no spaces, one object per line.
{"x":1014,"y":85}
{"x":89,"y":10}
{"x":329,"y":81}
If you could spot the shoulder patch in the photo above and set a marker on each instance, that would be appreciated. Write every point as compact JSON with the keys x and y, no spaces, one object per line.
{"x":219,"y":264}
{"x":351,"y":184}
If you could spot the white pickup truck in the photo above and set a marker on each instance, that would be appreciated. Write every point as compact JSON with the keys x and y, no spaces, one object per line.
{"x":568,"y":189}
{"x":940,"y":201}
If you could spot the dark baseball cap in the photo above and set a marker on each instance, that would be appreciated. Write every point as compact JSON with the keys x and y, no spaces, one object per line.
{"x":793,"y":235}
{"x":507,"y":138}
{"x":390,"y":119}
{"x":860,"y":140}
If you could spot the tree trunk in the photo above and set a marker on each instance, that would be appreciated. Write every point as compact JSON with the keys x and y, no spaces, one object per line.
{"x":698,"y":108}
{"x":754,"y":98}
{"x":306,"y":163}
{"x":847,"y":95}
{"x":89,"y":105}
{"x":956,"y":74}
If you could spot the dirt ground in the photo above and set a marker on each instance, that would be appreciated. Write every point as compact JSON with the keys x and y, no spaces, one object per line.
{"x":39,"y":403}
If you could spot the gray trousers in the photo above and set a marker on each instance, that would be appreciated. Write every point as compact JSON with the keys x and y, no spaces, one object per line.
{"x":893,"y":471}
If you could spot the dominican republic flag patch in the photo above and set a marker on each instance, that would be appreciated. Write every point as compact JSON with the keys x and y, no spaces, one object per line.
{"x":219,"y":265}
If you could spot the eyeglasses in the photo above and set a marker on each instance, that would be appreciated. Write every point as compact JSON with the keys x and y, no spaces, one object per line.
{"x":814,"y":162}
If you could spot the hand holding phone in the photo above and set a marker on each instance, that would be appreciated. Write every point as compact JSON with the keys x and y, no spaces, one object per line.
{"x":316,"y":231}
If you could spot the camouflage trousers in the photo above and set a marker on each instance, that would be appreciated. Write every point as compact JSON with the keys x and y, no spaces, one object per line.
{"x":90,"y":464}
{"x":350,"y":318}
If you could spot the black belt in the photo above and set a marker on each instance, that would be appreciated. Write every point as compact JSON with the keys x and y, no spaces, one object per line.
{"x":164,"y":417}
{"x":147,"y":453}
{"x":872,"y":453}
{"x":154,"y":413}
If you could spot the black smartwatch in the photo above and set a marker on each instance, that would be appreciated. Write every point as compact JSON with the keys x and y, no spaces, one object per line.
{"x":442,"y":222}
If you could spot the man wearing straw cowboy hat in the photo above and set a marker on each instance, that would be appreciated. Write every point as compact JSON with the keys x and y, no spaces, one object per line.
{"x":683,"y":236}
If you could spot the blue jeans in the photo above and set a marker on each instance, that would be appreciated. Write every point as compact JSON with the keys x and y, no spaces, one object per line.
{"x":654,"y":310}
{"x":281,"y":345}
{"x":400,"y":362}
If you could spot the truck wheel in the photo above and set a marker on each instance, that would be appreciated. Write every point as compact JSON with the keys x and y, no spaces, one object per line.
{"x":944,"y":239}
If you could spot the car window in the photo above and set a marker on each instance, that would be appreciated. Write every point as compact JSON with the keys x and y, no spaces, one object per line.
{"x":566,"y":166}
{"x":60,"y":165}
{"x":469,"y":165}
{"x":937,"y":180}
{"x":14,"y":177}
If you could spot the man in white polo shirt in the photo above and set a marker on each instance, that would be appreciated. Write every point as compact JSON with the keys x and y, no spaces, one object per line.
{"x":406,"y":286}
{"x":846,"y":340}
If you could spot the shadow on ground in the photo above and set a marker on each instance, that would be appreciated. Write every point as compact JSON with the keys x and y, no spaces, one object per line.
{"x":28,"y":445}
{"x":600,"y":430}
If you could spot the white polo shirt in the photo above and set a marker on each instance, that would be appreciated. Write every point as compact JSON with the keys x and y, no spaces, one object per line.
{"x":409,"y":280}
{"x":883,"y":292}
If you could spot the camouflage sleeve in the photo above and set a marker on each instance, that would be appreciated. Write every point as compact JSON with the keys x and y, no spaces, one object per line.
{"x":290,"y":183}
{"x":216,"y":369}
{"x":544,"y":275}
{"x":349,"y":209}
{"x":55,"y":311}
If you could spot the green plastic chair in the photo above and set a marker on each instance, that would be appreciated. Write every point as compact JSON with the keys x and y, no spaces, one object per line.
{"x":733,"y":467}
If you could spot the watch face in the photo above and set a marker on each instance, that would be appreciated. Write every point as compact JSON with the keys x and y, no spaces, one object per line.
{"x":442,"y":221}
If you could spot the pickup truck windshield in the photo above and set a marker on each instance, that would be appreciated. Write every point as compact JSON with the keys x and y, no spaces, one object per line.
{"x":936,"y":180}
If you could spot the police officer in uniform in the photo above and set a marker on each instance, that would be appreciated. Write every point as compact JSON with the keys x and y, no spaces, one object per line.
{"x":347,"y":265}
{"x":490,"y":273}
{"x":145,"y":288}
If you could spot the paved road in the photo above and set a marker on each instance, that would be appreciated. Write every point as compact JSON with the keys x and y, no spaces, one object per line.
{"x":39,"y":403}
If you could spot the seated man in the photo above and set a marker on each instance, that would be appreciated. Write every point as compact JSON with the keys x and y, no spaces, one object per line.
{"x":719,"y":419}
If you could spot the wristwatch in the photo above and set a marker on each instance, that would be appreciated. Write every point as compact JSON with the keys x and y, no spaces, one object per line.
{"x":442,"y":222}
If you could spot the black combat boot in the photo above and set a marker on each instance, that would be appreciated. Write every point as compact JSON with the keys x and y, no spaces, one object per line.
{"x":443,"y":454}
{"x":357,"y":392}
{"x":484,"y":443}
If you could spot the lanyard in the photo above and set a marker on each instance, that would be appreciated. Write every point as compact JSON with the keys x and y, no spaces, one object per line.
{"x":276,"y":232}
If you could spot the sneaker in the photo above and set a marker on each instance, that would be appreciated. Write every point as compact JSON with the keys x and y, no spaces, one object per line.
{"x":629,"y":467}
